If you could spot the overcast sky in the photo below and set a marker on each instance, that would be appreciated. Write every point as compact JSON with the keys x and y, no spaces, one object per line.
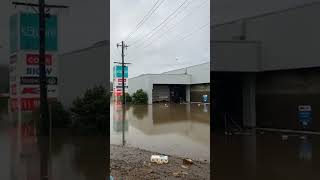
{"x":167,"y":51}
{"x":86,"y":23}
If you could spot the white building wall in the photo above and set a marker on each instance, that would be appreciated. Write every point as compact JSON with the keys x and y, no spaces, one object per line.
{"x":289,"y":39}
{"x":146,"y":82}
{"x":199,"y":73}
{"x":82,"y":70}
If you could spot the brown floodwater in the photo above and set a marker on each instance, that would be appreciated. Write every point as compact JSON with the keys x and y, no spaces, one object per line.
{"x":172,"y":129}
{"x":72,"y":157}
{"x":265,"y":156}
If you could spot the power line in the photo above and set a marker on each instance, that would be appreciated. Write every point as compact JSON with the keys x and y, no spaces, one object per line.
{"x":145,"y":18}
{"x":179,"y":22}
{"x":181,"y":39}
{"x":165,"y":20}
{"x":185,"y":37}
{"x":153,"y":34}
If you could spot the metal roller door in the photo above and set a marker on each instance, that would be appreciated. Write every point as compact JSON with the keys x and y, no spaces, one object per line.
{"x":160,"y":93}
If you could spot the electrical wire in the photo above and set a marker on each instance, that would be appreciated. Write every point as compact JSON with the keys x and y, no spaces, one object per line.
{"x":145,"y":18}
{"x":153,"y":34}
{"x":179,"y":22}
{"x":185,"y":37}
{"x":165,"y":20}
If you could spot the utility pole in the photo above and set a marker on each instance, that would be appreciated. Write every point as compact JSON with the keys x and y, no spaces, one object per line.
{"x":123,"y":46}
{"x":43,"y":131}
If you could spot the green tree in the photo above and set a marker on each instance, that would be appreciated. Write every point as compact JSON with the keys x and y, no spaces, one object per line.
{"x":140,"y":97}
{"x":90,"y":113}
{"x":60,"y":117}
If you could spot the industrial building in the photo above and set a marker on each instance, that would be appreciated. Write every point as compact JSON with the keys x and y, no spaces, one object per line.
{"x":177,"y":86}
{"x":81,"y":70}
{"x":266,"y":68}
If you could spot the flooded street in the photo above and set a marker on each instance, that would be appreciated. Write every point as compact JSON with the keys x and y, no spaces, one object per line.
{"x":73,"y":157}
{"x":266,"y":156}
{"x":173,"y":129}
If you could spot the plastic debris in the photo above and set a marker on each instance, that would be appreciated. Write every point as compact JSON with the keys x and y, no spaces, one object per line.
{"x":187,"y":161}
{"x":176,"y":174}
{"x":184,"y":166}
{"x":159,"y":159}
{"x":111,"y":178}
{"x":180,"y":173}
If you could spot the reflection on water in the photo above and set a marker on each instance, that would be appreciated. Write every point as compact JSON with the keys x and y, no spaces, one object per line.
{"x":73,"y":157}
{"x":174,"y":129}
{"x":266,"y":156}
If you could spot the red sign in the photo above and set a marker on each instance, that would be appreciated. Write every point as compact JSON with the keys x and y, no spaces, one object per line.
{"x":27,"y":104}
{"x":120,"y":80}
{"x":33,"y":59}
{"x":31,"y":90}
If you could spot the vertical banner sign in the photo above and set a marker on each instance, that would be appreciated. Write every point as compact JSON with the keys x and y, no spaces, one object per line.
{"x":24,"y":60}
{"x":117,"y":80}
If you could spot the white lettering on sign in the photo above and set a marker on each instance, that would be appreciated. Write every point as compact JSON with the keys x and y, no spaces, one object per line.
{"x":33,"y":59}
{"x":304,"y":108}
{"x":36,"y":71}
{"x":33,"y":32}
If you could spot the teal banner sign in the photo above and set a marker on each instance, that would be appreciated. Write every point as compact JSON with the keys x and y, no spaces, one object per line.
{"x":29,"y":32}
{"x":117,"y":72}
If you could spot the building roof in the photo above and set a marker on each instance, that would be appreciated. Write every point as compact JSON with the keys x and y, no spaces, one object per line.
{"x":171,"y":70}
{"x":186,"y":67}
{"x":149,"y":74}
{"x":95,"y":45}
{"x":268,"y":14}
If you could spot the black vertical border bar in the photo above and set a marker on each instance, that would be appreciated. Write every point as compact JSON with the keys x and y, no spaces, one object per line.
{"x":108,"y":10}
{"x":211,"y":93}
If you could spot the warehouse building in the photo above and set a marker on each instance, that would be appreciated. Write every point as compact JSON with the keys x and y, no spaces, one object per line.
{"x":177,"y":86}
{"x":81,"y":70}
{"x":266,"y":71}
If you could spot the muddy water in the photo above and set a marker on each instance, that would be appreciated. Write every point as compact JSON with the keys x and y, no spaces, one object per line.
{"x":266,"y":156}
{"x":173,"y":129}
{"x":73,"y":157}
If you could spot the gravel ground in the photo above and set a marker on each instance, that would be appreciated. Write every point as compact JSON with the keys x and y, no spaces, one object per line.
{"x":134,"y":163}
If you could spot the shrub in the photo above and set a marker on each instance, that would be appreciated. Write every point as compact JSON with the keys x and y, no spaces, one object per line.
{"x":140,"y":97}
{"x":60,"y":117}
{"x":91,"y":112}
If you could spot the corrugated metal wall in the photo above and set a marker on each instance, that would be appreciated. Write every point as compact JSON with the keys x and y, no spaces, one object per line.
{"x":280,"y":93}
{"x":198,"y":90}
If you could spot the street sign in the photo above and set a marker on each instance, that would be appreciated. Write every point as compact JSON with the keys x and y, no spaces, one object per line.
{"x":27,"y":104}
{"x":33,"y":59}
{"x":305,"y":115}
{"x":29,"y":32}
{"x":117,"y":71}
{"x":33,"y":80}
